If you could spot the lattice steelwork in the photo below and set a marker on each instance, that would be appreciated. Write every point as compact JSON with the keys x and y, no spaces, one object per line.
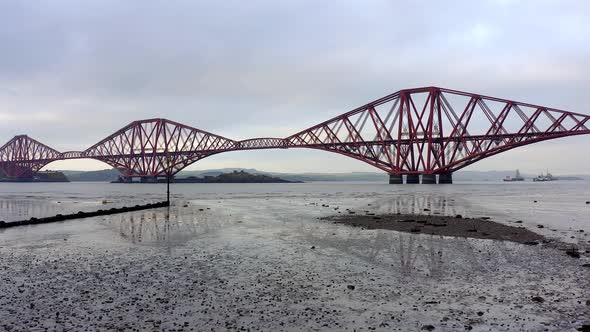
{"x":23,"y":156}
{"x":433,"y":130}
{"x":415,"y":131}
{"x":262,"y":143}
{"x":156,"y":147}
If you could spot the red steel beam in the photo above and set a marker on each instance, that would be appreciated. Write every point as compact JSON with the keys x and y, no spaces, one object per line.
{"x":412,"y":131}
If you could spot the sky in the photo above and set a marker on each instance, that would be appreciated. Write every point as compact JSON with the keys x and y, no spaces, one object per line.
{"x":73,"y":72}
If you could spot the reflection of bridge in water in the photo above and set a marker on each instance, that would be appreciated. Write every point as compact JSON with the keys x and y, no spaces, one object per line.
{"x":422,"y":133}
{"x":22,"y":208}
{"x":417,"y":255}
{"x":164,"y":226}
{"x":419,"y":203}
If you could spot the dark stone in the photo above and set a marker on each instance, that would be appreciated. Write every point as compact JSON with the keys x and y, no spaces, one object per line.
{"x":540,"y":226}
{"x":480,"y":313}
{"x":573,"y":252}
{"x":312,"y":247}
{"x":538,"y":299}
{"x":427,"y":328}
{"x":485,"y":218}
{"x":584,"y":328}
{"x":531,"y":243}
{"x":518,"y":222}
{"x":534,"y":201}
{"x":426,"y":209}
{"x":458,"y":216}
{"x":587,"y":202}
{"x":351,"y":287}
{"x":586,"y":265}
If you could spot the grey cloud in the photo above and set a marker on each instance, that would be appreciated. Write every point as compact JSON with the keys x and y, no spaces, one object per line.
{"x":247,"y":67}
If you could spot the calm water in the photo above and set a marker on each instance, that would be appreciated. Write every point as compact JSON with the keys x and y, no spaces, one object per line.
{"x":557,"y":205}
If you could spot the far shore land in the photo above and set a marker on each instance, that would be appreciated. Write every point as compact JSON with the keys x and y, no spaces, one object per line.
{"x":457,"y":226}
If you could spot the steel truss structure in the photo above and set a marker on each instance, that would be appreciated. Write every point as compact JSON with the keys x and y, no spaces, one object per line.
{"x":418,"y":131}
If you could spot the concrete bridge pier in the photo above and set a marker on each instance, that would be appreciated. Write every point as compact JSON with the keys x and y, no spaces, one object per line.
{"x":396,"y":179}
{"x":149,"y":179}
{"x":428,"y":178}
{"x":412,"y":179}
{"x":445,"y":178}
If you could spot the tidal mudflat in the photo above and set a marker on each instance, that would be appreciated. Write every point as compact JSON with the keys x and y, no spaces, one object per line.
{"x":268,"y":261}
{"x":455,"y":226}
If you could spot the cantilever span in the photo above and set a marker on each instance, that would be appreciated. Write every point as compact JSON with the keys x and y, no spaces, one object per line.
{"x":417,"y":132}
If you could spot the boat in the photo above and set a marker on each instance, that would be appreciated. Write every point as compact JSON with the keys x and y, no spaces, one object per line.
{"x":517,"y":177}
{"x":544,"y":178}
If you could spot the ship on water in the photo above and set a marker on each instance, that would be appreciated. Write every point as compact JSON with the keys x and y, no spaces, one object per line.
{"x":544,"y":178}
{"x":517,"y":177}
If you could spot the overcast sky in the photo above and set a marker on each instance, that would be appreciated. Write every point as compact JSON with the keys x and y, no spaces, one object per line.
{"x":73,"y":72}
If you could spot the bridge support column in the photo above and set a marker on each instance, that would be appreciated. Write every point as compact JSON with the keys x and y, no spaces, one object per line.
{"x":149,"y":179}
{"x":445,"y":178}
{"x":428,"y":178}
{"x":412,"y":178}
{"x":396,"y":179}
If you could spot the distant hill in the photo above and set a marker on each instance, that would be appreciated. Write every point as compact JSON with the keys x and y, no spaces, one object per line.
{"x":233,"y":177}
{"x":108,"y":175}
{"x":305,"y":177}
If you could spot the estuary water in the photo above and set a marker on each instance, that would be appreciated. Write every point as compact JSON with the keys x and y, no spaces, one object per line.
{"x":559,"y":205}
{"x":258,"y":257}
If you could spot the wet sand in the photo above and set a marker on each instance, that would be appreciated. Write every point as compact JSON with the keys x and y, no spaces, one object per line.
{"x":263,"y":262}
{"x":457,"y":226}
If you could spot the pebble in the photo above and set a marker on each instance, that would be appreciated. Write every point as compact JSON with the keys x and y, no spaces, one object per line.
{"x":573,"y":252}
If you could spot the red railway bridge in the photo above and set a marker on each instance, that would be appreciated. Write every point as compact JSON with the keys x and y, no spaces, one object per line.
{"x":421,"y":132}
